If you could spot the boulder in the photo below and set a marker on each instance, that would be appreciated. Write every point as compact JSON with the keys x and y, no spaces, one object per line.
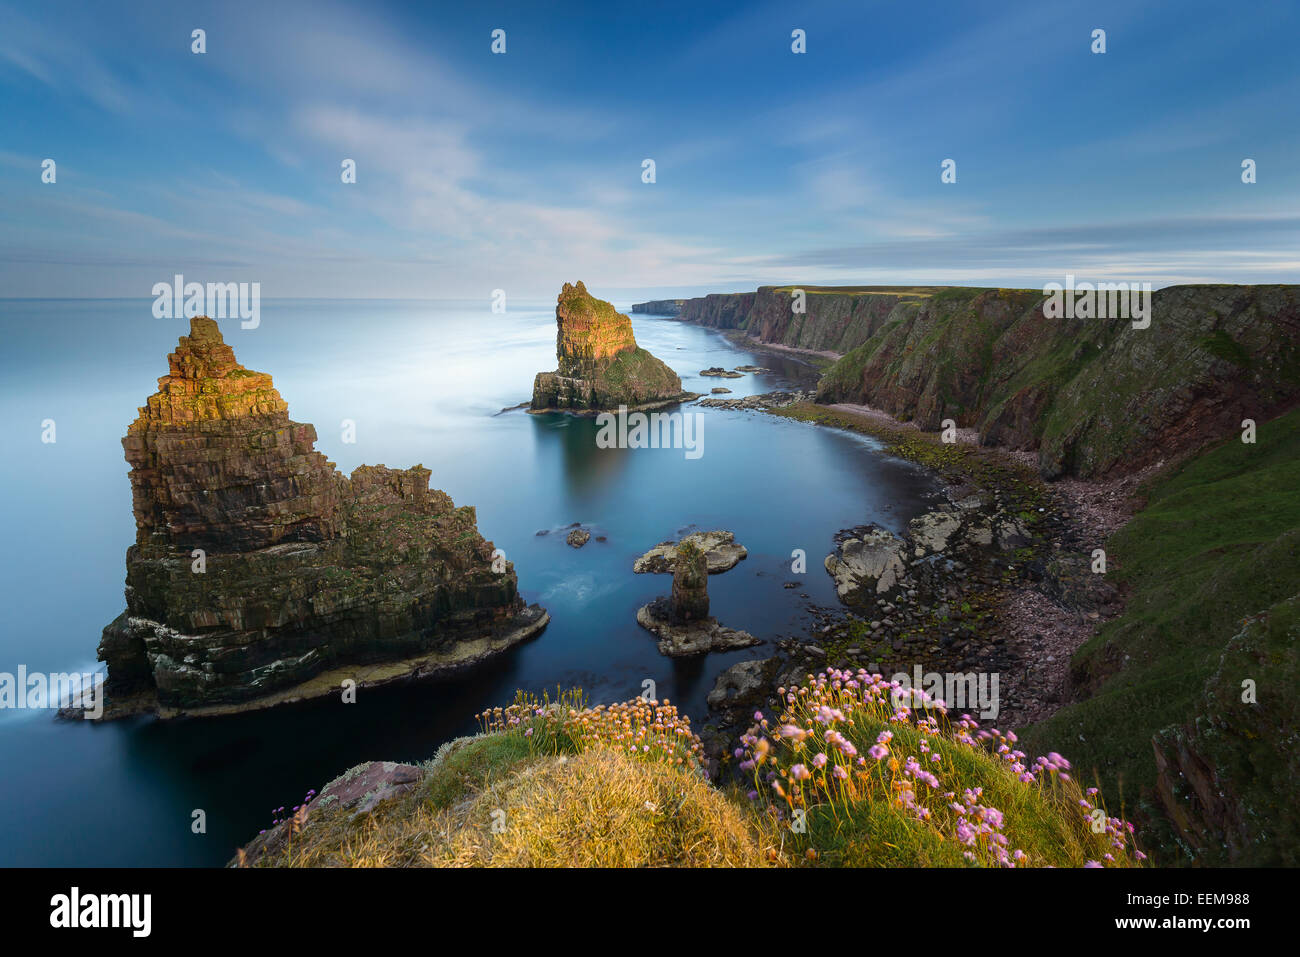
{"x":872,"y":565}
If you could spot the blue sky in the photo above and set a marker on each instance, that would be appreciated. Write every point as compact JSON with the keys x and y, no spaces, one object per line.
{"x":521,"y":171}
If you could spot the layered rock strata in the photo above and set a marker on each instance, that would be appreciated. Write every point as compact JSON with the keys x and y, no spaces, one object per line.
{"x":260,"y":574}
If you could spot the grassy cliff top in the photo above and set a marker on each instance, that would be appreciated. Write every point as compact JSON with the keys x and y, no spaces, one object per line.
{"x":845,"y":776}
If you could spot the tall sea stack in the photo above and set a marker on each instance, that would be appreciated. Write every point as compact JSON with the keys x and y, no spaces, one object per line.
{"x":260,"y":574}
{"x":601,"y":366}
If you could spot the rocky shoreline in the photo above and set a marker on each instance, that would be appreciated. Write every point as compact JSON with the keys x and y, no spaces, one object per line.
{"x":949,"y":594}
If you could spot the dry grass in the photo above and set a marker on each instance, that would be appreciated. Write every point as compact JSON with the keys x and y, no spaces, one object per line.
{"x":598,"y":808}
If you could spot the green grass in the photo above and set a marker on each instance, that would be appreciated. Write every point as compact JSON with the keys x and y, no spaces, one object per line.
{"x":1216,"y":543}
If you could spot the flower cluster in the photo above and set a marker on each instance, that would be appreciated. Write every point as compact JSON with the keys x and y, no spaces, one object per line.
{"x":845,"y":737}
{"x":297,"y":813}
{"x":652,"y":730}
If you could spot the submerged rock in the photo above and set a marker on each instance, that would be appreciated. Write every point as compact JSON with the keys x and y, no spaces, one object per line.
{"x":720,"y":551}
{"x":600,"y":365}
{"x":718,"y":372}
{"x":261,"y":575}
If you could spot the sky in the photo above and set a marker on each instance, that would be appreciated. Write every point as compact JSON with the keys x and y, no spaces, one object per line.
{"x":522,"y":170}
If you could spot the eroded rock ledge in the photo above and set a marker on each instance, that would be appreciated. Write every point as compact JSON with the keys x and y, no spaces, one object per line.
{"x":261,"y":575}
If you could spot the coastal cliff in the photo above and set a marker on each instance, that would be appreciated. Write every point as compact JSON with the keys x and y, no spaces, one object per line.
{"x":1091,"y":397}
{"x":600,"y":365}
{"x":260,"y":574}
{"x":660,"y":307}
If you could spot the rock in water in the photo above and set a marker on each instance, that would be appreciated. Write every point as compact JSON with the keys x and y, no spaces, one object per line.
{"x":601,"y":366}
{"x":260,"y":574}
{"x":720,"y":552}
{"x":690,"y":596}
{"x":682,"y":623}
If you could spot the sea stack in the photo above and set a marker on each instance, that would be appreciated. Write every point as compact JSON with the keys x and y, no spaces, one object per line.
{"x":681,"y":621}
{"x":690,"y":595}
{"x":261,"y":575}
{"x":601,"y":366}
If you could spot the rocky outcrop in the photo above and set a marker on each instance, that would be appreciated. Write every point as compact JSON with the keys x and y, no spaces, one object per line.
{"x":358,"y":790}
{"x":721,"y":553}
{"x":260,"y":574}
{"x":600,"y":365}
{"x":874,"y":563}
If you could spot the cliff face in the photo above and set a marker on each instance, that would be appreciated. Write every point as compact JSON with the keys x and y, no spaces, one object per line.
{"x":600,"y":364}
{"x":1091,"y":396}
{"x":833,"y":320}
{"x":305,"y":575}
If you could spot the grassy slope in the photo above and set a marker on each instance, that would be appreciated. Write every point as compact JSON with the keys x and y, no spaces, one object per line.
{"x":1214,"y":545}
{"x":568,"y":803}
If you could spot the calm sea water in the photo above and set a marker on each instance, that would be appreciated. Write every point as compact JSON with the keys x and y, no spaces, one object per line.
{"x":424,"y":382}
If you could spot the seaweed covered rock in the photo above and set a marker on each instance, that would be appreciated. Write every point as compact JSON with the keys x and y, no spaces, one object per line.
{"x":600,"y":365}
{"x":260,"y":574}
